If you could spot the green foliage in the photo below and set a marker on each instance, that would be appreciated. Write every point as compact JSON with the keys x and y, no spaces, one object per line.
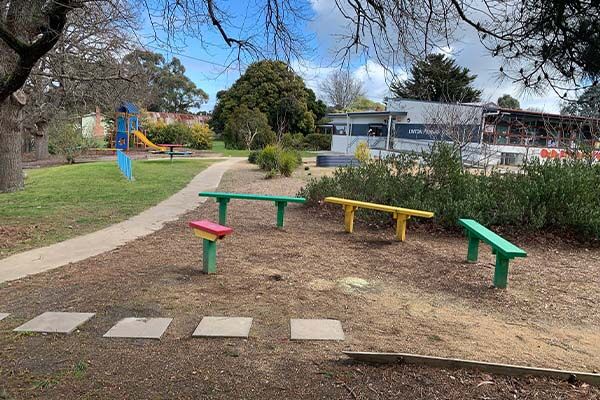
{"x":176,"y":133}
{"x":200,"y":137}
{"x":274,"y":159}
{"x":287,"y":162}
{"x":267,"y":159}
{"x":556,"y":195}
{"x":362,"y":153}
{"x":253,"y":157}
{"x":317,"y":141}
{"x":361,"y":103}
{"x":66,"y":139}
{"x":274,"y":89}
{"x":587,"y":105}
{"x":313,"y":141}
{"x":169,"y":89}
{"x":437,"y":78}
{"x":292,"y":141}
{"x":248,"y":129}
{"x":507,"y":101}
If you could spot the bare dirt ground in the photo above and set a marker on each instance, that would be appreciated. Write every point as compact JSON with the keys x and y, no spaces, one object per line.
{"x":420,"y":296}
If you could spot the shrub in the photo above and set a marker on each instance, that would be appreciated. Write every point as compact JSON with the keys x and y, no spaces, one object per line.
{"x":362,"y":153}
{"x":287,"y":162}
{"x":317,"y":141}
{"x":274,"y":159}
{"x":555,"y":195}
{"x":66,"y":139}
{"x":160,"y":132}
{"x":253,"y":156}
{"x":200,"y":137}
{"x":267,"y":159}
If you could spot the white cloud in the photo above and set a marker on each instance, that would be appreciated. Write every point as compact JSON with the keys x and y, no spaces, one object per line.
{"x":374,"y":78}
{"x":467,"y":51}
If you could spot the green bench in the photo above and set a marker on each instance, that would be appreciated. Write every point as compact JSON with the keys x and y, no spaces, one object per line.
{"x":502,"y":248}
{"x":223,"y":198}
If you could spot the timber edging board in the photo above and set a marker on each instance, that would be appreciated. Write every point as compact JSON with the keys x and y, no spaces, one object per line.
{"x":495,"y":368}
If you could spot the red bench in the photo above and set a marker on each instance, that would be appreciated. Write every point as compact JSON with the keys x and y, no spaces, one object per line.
{"x":210,"y":232}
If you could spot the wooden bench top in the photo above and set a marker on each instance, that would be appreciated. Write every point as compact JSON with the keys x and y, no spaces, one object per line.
{"x":247,"y":196}
{"x":502,"y":245}
{"x":379,"y":207}
{"x":211,"y":227}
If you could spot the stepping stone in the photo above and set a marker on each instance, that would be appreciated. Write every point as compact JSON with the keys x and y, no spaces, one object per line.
{"x":316,"y":329}
{"x":139,"y":328}
{"x":55,"y":322}
{"x":3,"y":315}
{"x":224,"y":327}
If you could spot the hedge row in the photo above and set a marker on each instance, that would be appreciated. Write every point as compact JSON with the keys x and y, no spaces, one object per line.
{"x":556,"y":195}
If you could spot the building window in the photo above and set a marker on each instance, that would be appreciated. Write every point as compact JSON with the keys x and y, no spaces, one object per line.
{"x":508,"y":158}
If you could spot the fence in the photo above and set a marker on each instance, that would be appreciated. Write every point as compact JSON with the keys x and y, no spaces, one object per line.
{"x":124,"y":164}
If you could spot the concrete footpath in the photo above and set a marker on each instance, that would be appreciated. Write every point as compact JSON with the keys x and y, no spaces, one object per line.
{"x":82,"y":247}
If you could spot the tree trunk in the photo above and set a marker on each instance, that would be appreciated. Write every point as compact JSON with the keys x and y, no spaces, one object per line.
{"x":41,"y":141}
{"x":11,"y":170}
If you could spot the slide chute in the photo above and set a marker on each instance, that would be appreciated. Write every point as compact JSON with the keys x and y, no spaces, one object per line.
{"x":147,"y":141}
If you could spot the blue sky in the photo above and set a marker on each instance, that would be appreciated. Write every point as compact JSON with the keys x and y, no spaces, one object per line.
{"x":205,"y":63}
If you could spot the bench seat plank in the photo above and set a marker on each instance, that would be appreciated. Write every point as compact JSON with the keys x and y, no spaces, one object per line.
{"x":401,"y":215}
{"x":248,"y":196}
{"x":211,"y":227}
{"x":379,"y":207}
{"x":502,"y":245}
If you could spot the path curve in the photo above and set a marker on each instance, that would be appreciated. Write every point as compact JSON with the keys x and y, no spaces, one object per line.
{"x":81,"y":247}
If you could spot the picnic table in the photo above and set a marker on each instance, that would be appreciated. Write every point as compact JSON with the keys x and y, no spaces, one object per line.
{"x":171,"y":152}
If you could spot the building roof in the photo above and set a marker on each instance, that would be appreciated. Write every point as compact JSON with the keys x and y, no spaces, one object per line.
{"x":541,"y":114}
{"x":368,"y":114}
{"x":128,"y":107}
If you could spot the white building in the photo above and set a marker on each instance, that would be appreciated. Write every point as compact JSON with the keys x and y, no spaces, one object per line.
{"x":486,"y":133}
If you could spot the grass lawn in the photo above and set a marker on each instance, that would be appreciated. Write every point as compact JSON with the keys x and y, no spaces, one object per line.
{"x":218,"y":146}
{"x":62,"y":202}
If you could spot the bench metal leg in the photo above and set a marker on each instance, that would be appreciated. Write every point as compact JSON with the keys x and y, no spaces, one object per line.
{"x":280,"y":212}
{"x":473,"y":252}
{"x":401,"y":226}
{"x":209,"y":256}
{"x":349,"y":218}
{"x":222,"y":210}
{"x":501,"y":272}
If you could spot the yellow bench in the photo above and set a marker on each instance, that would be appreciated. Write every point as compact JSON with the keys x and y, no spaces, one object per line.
{"x":401,"y":215}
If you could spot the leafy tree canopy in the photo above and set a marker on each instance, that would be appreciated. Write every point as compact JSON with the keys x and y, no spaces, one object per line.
{"x":247,"y":129}
{"x":169,"y":89}
{"x":363,"y":104}
{"x":437,"y":78}
{"x":587,"y":105}
{"x":275,"y":90}
{"x":507,"y":101}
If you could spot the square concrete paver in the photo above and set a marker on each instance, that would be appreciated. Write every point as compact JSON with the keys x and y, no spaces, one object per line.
{"x":316,"y":329}
{"x":55,"y":322}
{"x":139,"y":328}
{"x":224,"y":327}
{"x":3,"y":315}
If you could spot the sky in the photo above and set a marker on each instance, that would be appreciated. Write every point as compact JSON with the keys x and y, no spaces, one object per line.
{"x":208,"y":64}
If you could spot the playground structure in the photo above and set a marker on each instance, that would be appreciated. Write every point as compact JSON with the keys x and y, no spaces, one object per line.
{"x":128,"y":135}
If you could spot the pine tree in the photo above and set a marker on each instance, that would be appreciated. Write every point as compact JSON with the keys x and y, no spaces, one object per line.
{"x":437,"y":78}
